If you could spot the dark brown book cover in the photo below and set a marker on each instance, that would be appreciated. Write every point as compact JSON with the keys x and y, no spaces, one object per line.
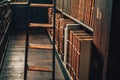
{"x":84,"y":61}
{"x":75,"y":54}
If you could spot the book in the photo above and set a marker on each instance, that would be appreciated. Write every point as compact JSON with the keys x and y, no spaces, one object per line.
{"x":63,"y":23}
{"x":81,"y":10}
{"x":89,"y":13}
{"x":73,"y":8}
{"x":84,"y":59}
{"x":57,"y":23}
{"x":66,"y":6}
{"x":58,"y":18}
{"x":59,"y":4}
{"x":92,"y":14}
{"x":79,"y":48}
{"x":74,"y":53}
{"x":66,"y":40}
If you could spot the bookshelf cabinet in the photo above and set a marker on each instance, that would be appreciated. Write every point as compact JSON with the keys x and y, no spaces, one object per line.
{"x":101,"y":18}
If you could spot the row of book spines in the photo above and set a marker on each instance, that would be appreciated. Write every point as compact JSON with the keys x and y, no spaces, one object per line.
{"x":62,"y":25}
{"x":57,"y":30}
{"x":61,"y":42}
{"x":75,"y":45}
{"x":82,"y":10}
{"x":50,"y":20}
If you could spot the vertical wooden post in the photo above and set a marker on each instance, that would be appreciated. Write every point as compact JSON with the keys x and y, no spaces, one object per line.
{"x":54,"y":20}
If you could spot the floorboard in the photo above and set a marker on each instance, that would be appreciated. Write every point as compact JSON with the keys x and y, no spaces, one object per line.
{"x":13,"y":67}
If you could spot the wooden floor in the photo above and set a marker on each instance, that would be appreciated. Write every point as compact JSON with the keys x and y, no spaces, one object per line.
{"x":13,"y":67}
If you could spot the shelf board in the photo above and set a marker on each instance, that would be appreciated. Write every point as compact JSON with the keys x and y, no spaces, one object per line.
{"x":60,"y":10}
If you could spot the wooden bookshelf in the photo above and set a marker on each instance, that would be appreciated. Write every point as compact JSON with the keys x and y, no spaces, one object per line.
{"x":102,"y":19}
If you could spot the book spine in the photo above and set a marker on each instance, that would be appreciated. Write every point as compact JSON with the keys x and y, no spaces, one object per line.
{"x":63,"y":23}
{"x":66,"y":6}
{"x":75,"y":50}
{"x":87,"y":12}
{"x":81,"y":10}
{"x":69,"y":52}
{"x":61,"y":42}
{"x":92,"y":14}
{"x":59,"y":37}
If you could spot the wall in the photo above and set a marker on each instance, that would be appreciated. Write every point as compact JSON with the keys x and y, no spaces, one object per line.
{"x":113,"y":69}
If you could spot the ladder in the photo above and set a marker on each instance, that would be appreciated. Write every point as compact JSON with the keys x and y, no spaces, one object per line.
{"x":41,"y":46}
